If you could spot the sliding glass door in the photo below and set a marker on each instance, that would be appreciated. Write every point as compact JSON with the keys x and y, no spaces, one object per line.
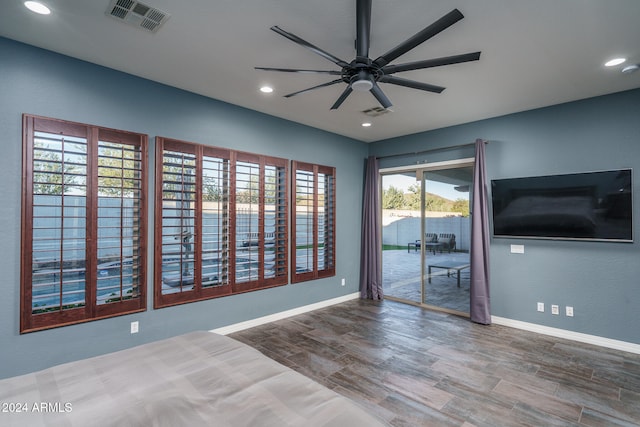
{"x":447,"y":231}
{"x":401,"y":244}
{"x":426,"y":235}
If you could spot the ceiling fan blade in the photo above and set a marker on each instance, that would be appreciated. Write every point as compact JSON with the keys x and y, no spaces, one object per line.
{"x":429,"y":63}
{"x":309,"y":46}
{"x":363,"y":31}
{"x":380,"y":96}
{"x":294,"y":70}
{"x":440,"y":25}
{"x":312,"y":88}
{"x":411,"y":83}
{"x":344,"y":96}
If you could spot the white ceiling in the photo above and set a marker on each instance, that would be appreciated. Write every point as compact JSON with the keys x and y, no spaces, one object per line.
{"x":534,"y":54}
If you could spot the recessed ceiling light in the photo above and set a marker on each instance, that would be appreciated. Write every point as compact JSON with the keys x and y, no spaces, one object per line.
{"x":37,"y":7}
{"x":266,"y":89}
{"x":614,"y":62}
{"x":366,"y":125}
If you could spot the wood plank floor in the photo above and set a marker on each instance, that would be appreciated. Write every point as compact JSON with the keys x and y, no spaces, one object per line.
{"x":414,"y":367}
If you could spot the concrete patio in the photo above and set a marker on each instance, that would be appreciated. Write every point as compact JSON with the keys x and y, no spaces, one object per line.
{"x":401,"y":278}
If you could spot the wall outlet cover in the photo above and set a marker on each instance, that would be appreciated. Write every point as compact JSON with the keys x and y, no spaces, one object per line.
{"x":517,"y":249}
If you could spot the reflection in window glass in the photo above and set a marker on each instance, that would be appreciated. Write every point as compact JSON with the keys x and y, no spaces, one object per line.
{"x":178,"y":221}
{"x":314,"y":226}
{"x":119,"y":175}
{"x":224,"y":222}
{"x":247,"y":220}
{"x":58,"y":257}
{"x":215,"y":221}
{"x":84,"y":223}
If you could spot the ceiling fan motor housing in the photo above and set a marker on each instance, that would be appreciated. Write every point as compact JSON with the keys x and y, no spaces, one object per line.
{"x":362,"y":81}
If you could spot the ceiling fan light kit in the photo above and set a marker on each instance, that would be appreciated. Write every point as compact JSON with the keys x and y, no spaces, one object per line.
{"x":363,"y":74}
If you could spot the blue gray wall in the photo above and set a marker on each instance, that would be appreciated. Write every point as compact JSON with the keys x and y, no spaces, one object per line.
{"x":601,"y":280}
{"x":40,"y":82}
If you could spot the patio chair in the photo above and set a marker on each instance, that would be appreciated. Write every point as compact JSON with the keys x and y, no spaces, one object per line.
{"x":447,"y":242}
{"x":431,"y":243}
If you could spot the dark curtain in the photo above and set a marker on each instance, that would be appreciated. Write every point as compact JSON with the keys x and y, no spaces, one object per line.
{"x":371,"y":258}
{"x":480,"y":298}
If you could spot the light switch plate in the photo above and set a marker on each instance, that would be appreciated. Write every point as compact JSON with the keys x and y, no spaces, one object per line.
{"x":517,"y":249}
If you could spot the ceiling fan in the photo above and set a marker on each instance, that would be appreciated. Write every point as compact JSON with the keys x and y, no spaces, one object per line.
{"x":363,"y":74}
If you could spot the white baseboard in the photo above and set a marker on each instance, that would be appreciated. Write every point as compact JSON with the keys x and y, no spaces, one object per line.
{"x":569,"y":335}
{"x":531,"y":327}
{"x":225,"y":330}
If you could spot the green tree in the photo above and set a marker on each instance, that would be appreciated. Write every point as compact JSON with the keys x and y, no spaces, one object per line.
{"x":435,"y":203}
{"x":48,"y":174}
{"x":392,"y":198}
{"x":462,"y":206}
{"x":211,"y":190}
{"x":251,"y":191}
{"x":56,"y":167}
{"x":412,"y":197}
{"x":118,"y":173}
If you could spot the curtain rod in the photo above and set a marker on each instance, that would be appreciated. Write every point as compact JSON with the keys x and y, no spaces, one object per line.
{"x":415,"y":153}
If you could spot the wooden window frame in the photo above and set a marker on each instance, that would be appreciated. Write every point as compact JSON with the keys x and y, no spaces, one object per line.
{"x":232,"y":242}
{"x":317,"y":271}
{"x":91,"y":310}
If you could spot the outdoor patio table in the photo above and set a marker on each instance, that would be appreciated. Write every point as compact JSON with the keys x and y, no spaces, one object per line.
{"x":449,"y":265}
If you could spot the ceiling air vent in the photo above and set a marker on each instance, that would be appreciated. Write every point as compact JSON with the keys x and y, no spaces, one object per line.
{"x":137,"y":14}
{"x":377,"y":111}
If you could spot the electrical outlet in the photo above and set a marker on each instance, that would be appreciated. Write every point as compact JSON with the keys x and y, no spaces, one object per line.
{"x":569,"y":311}
{"x":134,"y":327}
{"x":541,"y":307}
{"x":344,"y":281}
{"x":555,"y":309}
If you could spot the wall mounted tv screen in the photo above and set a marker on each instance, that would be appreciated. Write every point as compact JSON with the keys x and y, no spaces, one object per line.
{"x":590,"y":206}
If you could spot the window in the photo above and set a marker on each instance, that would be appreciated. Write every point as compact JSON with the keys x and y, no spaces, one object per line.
{"x":221,"y":222}
{"x":313,"y":246}
{"x":83,"y":223}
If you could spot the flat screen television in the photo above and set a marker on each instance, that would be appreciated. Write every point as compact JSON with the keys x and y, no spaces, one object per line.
{"x":585,"y":206}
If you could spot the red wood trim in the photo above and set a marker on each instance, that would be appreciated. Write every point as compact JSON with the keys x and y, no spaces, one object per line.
{"x":242,"y":156}
{"x":282,"y":229}
{"x":330,"y":173}
{"x":26,"y":246}
{"x":91,"y":248}
{"x":257,"y":285}
{"x":59,"y":127}
{"x":316,"y":186}
{"x":144,"y":209}
{"x":91,"y":310}
{"x":122,"y":137}
{"x":261,"y":220}
{"x":157,"y":238}
{"x":75,"y":322}
{"x":197,"y":227}
{"x":233,"y":159}
{"x":317,"y":170}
